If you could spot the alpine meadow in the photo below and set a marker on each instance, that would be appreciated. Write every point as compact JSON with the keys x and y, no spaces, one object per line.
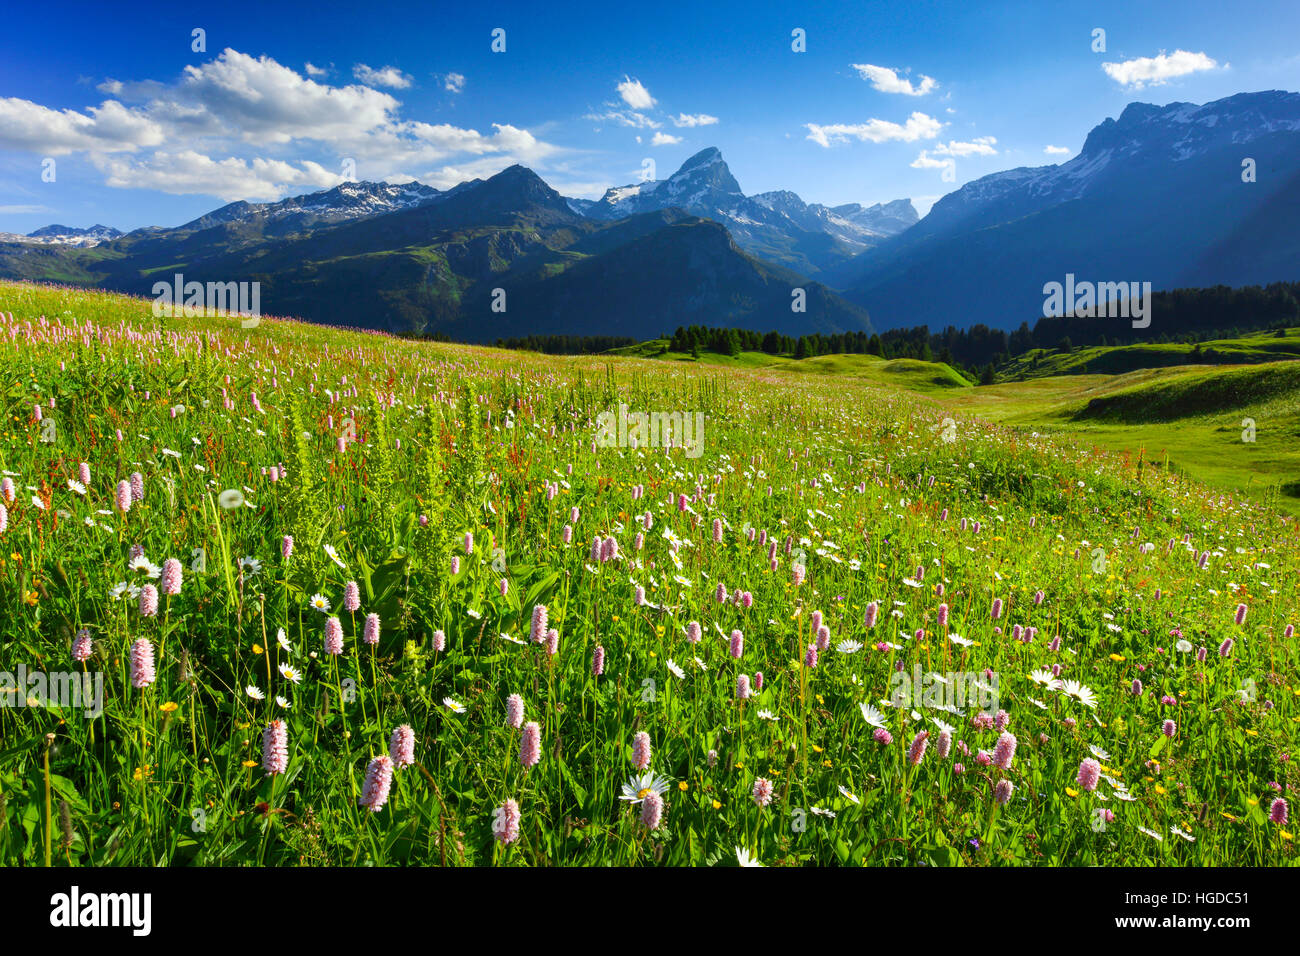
{"x":637,"y":444}
{"x":357,"y":599}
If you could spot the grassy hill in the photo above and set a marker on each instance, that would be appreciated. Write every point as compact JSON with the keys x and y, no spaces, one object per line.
{"x":1118,"y":359}
{"x":1157,"y":404}
{"x":1195,"y":419}
{"x":911,"y":374}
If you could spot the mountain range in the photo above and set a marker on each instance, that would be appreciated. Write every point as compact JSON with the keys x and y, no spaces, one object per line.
{"x":1178,"y":195}
{"x":775,"y":225}
{"x":403,"y":258}
{"x":65,"y":236}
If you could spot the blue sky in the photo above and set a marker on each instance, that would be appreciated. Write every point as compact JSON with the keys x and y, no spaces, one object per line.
{"x":886,"y":101}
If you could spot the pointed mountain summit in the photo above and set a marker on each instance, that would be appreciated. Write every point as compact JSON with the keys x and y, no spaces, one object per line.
{"x":777,"y":226}
{"x":704,"y":174}
{"x":515,"y":188}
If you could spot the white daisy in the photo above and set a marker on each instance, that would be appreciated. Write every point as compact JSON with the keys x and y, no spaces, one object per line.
{"x":290,"y":674}
{"x":638,"y":787}
{"x":676,"y":671}
{"x":254,"y":692}
{"x":1080,"y":692}
{"x":1044,"y":677}
{"x":872,"y":716}
{"x":143,"y":565}
{"x":320,"y":603}
{"x":744,"y":859}
{"x":334,"y":556}
{"x":454,"y":705}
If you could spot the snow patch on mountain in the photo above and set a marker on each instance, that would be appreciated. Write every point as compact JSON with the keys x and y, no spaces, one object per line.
{"x":56,"y":235}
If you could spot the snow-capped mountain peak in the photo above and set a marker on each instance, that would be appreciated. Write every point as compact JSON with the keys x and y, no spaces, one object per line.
{"x":771,"y":225}
{"x":346,"y":201}
{"x":57,"y":235}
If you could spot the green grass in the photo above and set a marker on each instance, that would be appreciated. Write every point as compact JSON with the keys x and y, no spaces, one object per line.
{"x":1118,"y":359}
{"x":924,"y":377}
{"x":1189,"y":417}
{"x":877,"y":480}
{"x":1192,"y":417}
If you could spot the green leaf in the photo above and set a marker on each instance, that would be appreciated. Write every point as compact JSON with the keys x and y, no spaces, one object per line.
{"x":842,"y":850}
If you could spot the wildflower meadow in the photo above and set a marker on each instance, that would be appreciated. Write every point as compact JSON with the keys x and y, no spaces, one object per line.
{"x":295,"y":595}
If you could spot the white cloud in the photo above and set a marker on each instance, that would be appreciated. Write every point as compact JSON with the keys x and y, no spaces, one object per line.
{"x":453,"y":82}
{"x":665,"y":139}
{"x":1157,"y":70}
{"x":886,"y":80}
{"x":245,"y":127}
{"x":918,"y":126}
{"x":314,"y":70}
{"x":384,"y":76}
{"x":268,"y":102}
{"x":109,"y":127}
{"x":23,"y":210}
{"x":699,"y":119}
{"x":581,"y":189}
{"x":230,"y":179}
{"x":635,"y":94}
{"x":926,"y":161}
{"x":1057,"y":150}
{"x":981,"y":146}
{"x":630,"y":118}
